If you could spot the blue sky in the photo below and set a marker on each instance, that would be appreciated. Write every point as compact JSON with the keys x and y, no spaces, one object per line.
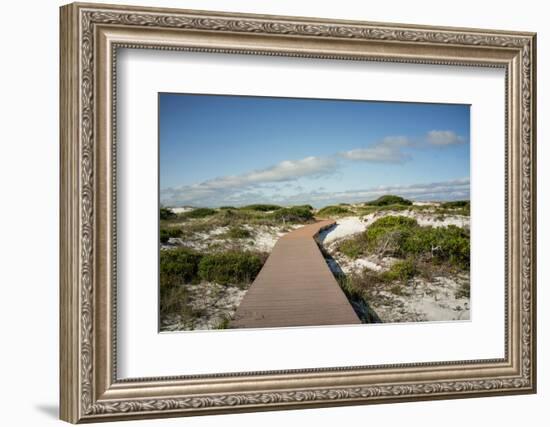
{"x":235,"y":150}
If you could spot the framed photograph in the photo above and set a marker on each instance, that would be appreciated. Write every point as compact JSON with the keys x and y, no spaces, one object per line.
{"x":266,"y":212}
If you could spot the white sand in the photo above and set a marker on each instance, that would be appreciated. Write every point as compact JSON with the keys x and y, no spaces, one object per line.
{"x":216,"y":302}
{"x":421,"y":300}
{"x":345,"y":227}
{"x":423,"y":219}
{"x":262,"y":239}
{"x":424,"y":301}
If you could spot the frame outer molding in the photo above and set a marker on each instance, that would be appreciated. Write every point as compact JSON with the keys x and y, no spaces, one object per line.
{"x":89,"y":388}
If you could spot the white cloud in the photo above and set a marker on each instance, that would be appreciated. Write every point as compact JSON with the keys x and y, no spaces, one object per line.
{"x":433,"y":191}
{"x":218,"y":189}
{"x":287,"y":170}
{"x":443,"y":138}
{"x":389,"y":150}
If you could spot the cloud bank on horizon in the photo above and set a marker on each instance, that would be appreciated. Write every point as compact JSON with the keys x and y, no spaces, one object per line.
{"x":230,"y":150}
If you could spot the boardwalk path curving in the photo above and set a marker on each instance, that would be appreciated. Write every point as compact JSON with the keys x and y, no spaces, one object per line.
{"x":295,"y":287}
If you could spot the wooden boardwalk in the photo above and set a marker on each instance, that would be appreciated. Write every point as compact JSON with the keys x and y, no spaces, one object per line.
{"x":295,"y":287}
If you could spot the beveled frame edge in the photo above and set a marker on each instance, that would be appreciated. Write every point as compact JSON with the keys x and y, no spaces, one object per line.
{"x":89,"y":391}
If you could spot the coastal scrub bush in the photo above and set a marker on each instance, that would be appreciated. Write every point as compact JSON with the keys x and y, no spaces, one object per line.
{"x":296,"y":214}
{"x":233,"y":267}
{"x":402,"y":237}
{"x":174,"y":300}
{"x":353,"y":248}
{"x":261,"y":207}
{"x":166,"y":213}
{"x":456,"y":204}
{"x":457,"y":207}
{"x":238,"y":233}
{"x":178,"y":266}
{"x":388,"y":234}
{"x":305,"y":207}
{"x":198,"y":213}
{"x":333,"y":210}
{"x":389,"y":200}
{"x":166,"y":233}
{"x":402,"y":270}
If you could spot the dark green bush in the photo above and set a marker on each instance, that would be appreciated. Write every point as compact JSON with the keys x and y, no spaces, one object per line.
{"x":227,"y":207}
{"x":353,"y":248}
{"x":333,"y":210}
{"x":294,"y":214}
{"x":456,"y":204}
{"x":400,"y":270}
{"x":261,"y":207}
{"x":389,"y":200}
{"x":166,"y":233}
{"x":167,"y":213}
{"x":458,"y":207}
{"x":305,"y":206}
{"x":198,"y":213}
{"x":402,"y":237}
{"x":230,"y":267}
{"x":178,"y":266}
{"x":388,"y":231}
{"x":174,"y":300}
{"x":238,"y":233}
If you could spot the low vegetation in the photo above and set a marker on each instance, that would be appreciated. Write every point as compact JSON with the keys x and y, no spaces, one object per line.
{"x":166,"y":213}
{"x":198,"y":213}
{"x":402,"y":237}
{"x":459,"y":207}
{"x":178,"y":266}
{"x":295,"y":214}
{"x":261,"y":207}
{"x":184,"y":266}
{"x":238,"y":268}
{"x":237,"y":232}
{"x":457,"y":204}
{"x":166,"y":233}
{"x":331,"y":211}
{"x":389,"y":200}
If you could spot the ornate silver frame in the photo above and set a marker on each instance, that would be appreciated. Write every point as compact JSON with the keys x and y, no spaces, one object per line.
{"x":90,"y":36}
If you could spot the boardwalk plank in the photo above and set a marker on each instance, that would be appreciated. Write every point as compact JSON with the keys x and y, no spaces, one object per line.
{"x":295,"y":287}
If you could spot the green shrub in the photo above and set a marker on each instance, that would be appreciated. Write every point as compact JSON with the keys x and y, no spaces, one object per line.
{"x":333,"y":210}
{"x":166,"y":233}
{"x":400,"y":270}
{"x":174,"y":300}
{"x":261,"y":207}
{"x":227,"y":207}
{"x":305,"y":207}
{"x":388,"y":233}
{"x":296,"y":214}
{"x":230,"y":267}
{"x":238,"y":233}
{"x":457,"y":204}
{"x":198,"y":213}
{"x":389,"y":200}
{"x":402,"y":237}
{"x":167,"y":213}
{"x":458,"y":207}
{"x":352,"y":248}
{"x":178,"y":266}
